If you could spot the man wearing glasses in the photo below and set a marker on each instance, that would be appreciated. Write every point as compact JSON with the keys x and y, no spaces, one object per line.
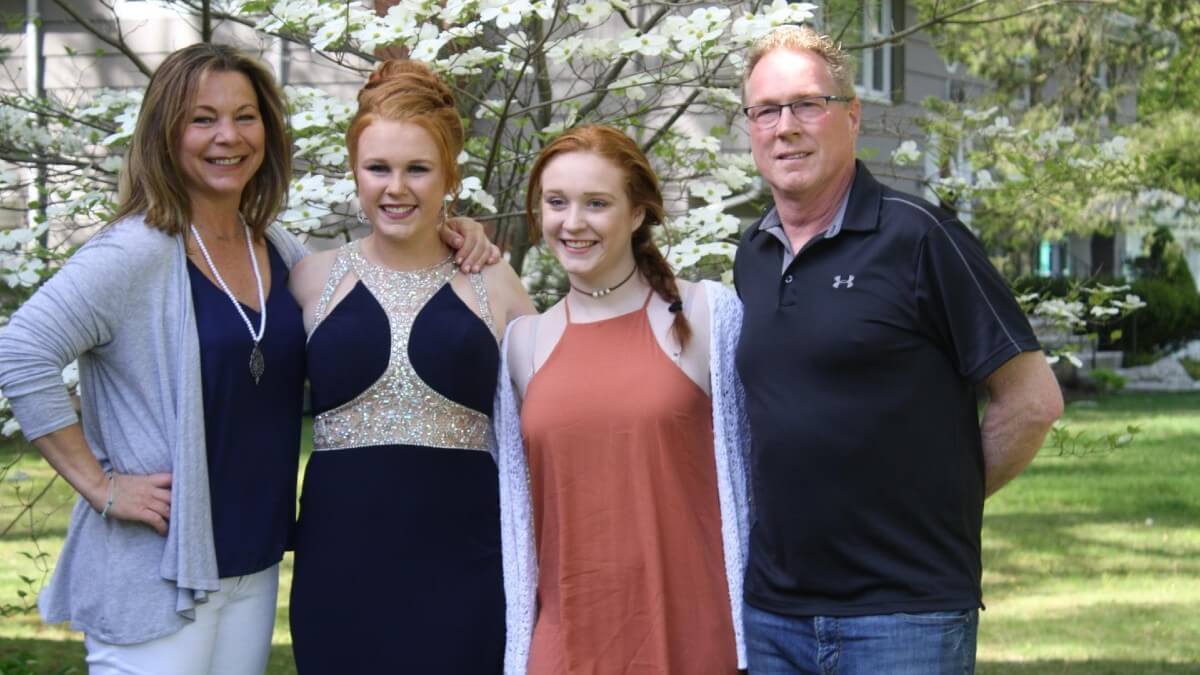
{"x":870,"y":318}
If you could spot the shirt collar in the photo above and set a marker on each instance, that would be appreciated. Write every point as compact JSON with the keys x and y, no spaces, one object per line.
{"x":772,"y":223}
{"x":859,"y":210}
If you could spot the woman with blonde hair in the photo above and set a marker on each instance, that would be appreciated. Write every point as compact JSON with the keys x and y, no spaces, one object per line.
{"x":398,"y":546}
{"x":623,"y":482}
{"x":191,"y":369}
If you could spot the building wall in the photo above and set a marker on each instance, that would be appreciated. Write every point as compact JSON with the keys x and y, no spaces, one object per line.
{"x":76,"y":60}
{"x":888,"y":123}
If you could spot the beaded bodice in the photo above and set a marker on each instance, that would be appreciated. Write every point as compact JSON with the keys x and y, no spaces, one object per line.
{"x":399,"y":408}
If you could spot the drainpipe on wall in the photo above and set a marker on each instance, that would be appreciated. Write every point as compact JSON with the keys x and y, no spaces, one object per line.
{"x":281,"y":61}
{"x":35,"y":86}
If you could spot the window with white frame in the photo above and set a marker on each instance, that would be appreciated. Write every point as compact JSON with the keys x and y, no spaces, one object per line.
{"x":878,"y":72}
{"x":874,"y":66}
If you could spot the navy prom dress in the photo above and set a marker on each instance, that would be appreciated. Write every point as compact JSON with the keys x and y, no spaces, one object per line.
{"x":397,"y":566}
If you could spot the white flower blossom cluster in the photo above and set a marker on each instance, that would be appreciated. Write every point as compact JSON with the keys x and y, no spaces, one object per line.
{"x":907,"y":153}
{"x":20,"y":271}
{"x":591,"y":13}
{"x":1166,"y":208}
{"x":1067,"y":312}
{"x":994,"y":159}
{"x":1153,"y":208}
{"x":1055,"y":137}
{"x":1071,"y":314}
{"x":750,"y":27}
{"x":19,"y":124}
{"x":1001,"y":126}
{"x":980,"y":116}
{"x":76,"y":192}
{"x":11,"y":426}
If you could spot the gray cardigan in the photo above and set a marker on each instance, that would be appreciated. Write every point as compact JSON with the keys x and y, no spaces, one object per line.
{"x":122,"y":305}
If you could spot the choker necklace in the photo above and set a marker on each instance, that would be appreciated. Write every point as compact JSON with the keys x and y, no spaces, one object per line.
{"x":600,"y":293}
{"x":257,"y":364}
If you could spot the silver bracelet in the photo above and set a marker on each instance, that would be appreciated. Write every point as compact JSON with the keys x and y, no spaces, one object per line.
{"x":112,"y":493}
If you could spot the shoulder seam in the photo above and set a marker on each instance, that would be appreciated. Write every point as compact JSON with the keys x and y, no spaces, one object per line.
{"x":920,"y":208}
{"x":941,"y":226}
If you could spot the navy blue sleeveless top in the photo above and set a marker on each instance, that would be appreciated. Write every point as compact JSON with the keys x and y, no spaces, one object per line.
{"x":252,"y":431}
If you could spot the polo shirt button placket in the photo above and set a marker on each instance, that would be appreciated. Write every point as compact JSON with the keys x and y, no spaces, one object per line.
{"x":786,"y":297}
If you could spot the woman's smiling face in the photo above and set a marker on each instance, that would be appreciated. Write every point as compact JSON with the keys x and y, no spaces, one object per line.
{"x":221,"y":146}
{"x":401,"y":183}
{"x":587,"y":218}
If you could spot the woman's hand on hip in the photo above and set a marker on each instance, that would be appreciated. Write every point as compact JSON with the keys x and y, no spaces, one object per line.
{"x":140,"y":499}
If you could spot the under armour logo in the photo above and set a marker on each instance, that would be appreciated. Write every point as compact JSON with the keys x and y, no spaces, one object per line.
{"x":839,"y":282}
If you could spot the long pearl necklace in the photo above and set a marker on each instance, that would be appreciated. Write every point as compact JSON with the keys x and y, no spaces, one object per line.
{"x":257,"y":364}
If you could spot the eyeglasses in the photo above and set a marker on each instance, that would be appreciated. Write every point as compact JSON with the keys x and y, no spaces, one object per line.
{"x":807,"y":109}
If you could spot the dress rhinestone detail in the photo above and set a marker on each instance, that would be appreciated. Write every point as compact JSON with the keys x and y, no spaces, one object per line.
{"x":399,"y":408}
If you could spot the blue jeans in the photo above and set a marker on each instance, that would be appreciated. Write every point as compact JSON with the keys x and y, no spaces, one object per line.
{"x":929,"y":643}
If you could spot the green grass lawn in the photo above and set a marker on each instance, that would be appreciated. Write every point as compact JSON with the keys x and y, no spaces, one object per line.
{"x":1091,"y":564}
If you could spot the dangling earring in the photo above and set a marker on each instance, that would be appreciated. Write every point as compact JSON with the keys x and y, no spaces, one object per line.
{"x":442,"y":222}
{"x":448,"y":200}
{"x":362,"y":217}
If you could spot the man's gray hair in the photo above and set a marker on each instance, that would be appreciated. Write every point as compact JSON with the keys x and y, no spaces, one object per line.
{"x":803,"y":38}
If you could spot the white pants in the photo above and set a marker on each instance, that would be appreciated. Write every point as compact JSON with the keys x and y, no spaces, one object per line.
{"x":230,"y":636}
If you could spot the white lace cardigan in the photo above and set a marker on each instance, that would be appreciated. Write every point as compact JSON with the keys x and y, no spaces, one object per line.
{"x":731,"y":442}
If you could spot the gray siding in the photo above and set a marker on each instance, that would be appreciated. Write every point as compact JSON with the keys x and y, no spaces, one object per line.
{"x":75,"y":59}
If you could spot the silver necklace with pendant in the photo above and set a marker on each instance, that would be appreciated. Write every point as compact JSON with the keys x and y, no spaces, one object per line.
{"x":257,"y":364}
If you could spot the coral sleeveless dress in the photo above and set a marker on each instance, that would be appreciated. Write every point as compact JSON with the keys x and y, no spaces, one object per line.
{"x":628,"y":526}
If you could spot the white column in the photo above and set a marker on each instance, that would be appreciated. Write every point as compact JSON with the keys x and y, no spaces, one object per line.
{"x":33,"y":86}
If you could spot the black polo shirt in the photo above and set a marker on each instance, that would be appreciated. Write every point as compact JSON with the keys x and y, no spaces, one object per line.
{"x":860,"y":362}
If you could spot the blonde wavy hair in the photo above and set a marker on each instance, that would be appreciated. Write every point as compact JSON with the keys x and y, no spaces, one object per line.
{"x":803,"y":38}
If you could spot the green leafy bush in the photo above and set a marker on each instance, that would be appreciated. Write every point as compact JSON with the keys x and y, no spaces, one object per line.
{"x":1055,"y":286}
{"x":1170,"y":318}
{"x":1192,"y":366}
{"x":1106,"y":380}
